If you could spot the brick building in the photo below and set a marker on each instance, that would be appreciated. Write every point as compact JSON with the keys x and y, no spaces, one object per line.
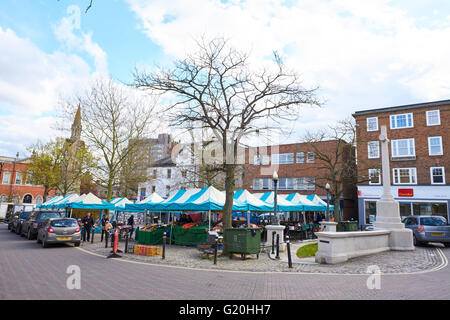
{"x":298,"y":169}
{"x":419,"y":150}
{"x":16,"y":187}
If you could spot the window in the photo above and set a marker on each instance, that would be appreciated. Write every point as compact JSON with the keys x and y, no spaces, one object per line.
{"x":6,"y":178}
{"x":169,"y":173}
{"x":256,"y":160}
{"x":183,"y":173}
{"x":266,"y":160}
{"x":155,"y":174}
{"x":310,"y":157}
{"x":435,"y":146}
{"x":153,"y":189}
{"x":372,"y":124}
{"x":29,"y":179}
{"x":373,"y":149}
{"x":283,"y":158}
{"x":433,"y":118}
{"x":262,"y":184}
{"x":405,"y":176}
{"x":18,"y":178}
{"x":400,"y":121}
{"x":38,"y":200}
{"x":300,"y":157}
{"x":374,"y":176}
{"x":3,"y":198}
{"x":286,"y":184}
{"x":305,"y":183}
{"x":437,"y":175}
{"x":403,"y":148}
{"x":167,"y":191}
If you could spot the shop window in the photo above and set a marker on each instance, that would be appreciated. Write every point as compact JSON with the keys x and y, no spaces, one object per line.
{"x":370,"y":209}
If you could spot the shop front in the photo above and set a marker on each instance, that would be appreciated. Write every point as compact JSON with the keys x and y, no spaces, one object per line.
{"x":413,"y":200}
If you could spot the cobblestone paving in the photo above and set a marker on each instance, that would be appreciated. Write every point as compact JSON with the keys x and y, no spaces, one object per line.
{"x":422,"y":259}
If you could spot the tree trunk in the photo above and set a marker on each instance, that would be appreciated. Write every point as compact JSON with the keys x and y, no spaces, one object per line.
{"x":109,"y":194}
{"x":227,"y":217}
{"x":45,"y":194}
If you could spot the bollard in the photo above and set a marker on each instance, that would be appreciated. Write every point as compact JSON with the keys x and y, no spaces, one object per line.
{"x":278,"y":247}
{"x":288,"y":247}
{"x":164,"y":246}
{"x":126,"y":241}
{"x":273,"y":242}
{"x":92,"y":236}
{"x":116,"y":244}
{"x":215,"y":250}
{"x":106,"y":239}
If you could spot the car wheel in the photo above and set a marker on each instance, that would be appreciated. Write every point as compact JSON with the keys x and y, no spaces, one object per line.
{"x":416,"y":243}
{"x":77,"y":244}
{"x":447,"y":244}
{"x":11,"y":229}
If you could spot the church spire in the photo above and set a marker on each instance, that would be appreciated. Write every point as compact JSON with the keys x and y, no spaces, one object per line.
{"x":76,"y":126}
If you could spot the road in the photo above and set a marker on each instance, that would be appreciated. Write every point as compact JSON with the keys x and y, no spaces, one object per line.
{"x":27,"y":271}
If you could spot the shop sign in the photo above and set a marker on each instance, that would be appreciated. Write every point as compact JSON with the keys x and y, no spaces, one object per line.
{"x":406,"y":192}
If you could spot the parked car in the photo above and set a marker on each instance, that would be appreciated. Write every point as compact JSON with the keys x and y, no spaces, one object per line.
{"x":10,"y":222}
{"x":18,"y":221}
{"x":36,"y":221}
{"x":59,"y":230}
{"x":428,"y":229}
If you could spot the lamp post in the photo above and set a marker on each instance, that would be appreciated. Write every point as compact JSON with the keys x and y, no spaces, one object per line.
{"x":13,"y":178}
{"x":327,"y":187}
{"x":275,"y":182}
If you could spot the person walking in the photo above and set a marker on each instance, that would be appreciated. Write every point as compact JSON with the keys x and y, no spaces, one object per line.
{"x":88,"y":223}
{"x":104,"y":221}
{"x":131,"y":223}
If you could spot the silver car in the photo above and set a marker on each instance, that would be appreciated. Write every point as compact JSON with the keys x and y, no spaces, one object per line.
{"x":428,"y":229}
{"x":59,"y":230}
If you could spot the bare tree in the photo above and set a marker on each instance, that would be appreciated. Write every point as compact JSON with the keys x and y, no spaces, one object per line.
{"x":115,"y":119}
{"x":216,"y":88}
{"x":335,"y":154}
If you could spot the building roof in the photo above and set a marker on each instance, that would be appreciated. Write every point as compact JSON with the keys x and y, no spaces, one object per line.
{"x":403,"y":107}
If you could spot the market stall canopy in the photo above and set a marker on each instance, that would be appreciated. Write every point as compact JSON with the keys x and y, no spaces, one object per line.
{"x":49,"y":202}
{"x":61,"y":204}
{"x":145,"y":204}
{"x":251,"y":202}
{"x":301,"y":199}
{"x":316,"y":200}
{"x":90,"y":202}
{"x":176,"y":200}
{"x":283,"y":205}
{"x":120,"y":203}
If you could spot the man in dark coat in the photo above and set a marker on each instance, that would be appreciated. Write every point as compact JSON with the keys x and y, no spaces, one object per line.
{"x":88,"y":223}
{"x":131,"y":223}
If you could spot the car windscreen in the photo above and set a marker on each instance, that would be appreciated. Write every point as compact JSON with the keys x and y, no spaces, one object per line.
{"x":433,"y":221}
{"x":64,"y":223}
{"x":24,"y":215}
{"x":48,"y":215}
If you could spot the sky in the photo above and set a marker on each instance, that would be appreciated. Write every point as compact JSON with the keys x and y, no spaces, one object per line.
{"x":360,"y":54}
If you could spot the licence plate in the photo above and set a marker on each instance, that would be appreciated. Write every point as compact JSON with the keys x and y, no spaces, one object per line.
{"x":63,"y":238}
{"x":437,"y":234}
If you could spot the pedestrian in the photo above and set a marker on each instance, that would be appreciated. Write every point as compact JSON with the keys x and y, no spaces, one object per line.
{"x":88,"y":223}
{"x":104,"y":221}
{"x":131,"y":223}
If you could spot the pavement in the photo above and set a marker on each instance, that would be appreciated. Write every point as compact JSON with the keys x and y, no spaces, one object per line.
{"x":30,"y":272}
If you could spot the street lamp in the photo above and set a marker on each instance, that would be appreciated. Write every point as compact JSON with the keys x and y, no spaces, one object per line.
{"x":327,"y":187}
{"x":275,"y":182}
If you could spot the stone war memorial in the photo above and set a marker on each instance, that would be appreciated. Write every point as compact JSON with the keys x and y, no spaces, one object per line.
{"x":389,"y":232}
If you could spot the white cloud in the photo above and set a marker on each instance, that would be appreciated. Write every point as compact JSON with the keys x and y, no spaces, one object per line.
{"x":33,"y":81}
{"x":362,"y":54}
